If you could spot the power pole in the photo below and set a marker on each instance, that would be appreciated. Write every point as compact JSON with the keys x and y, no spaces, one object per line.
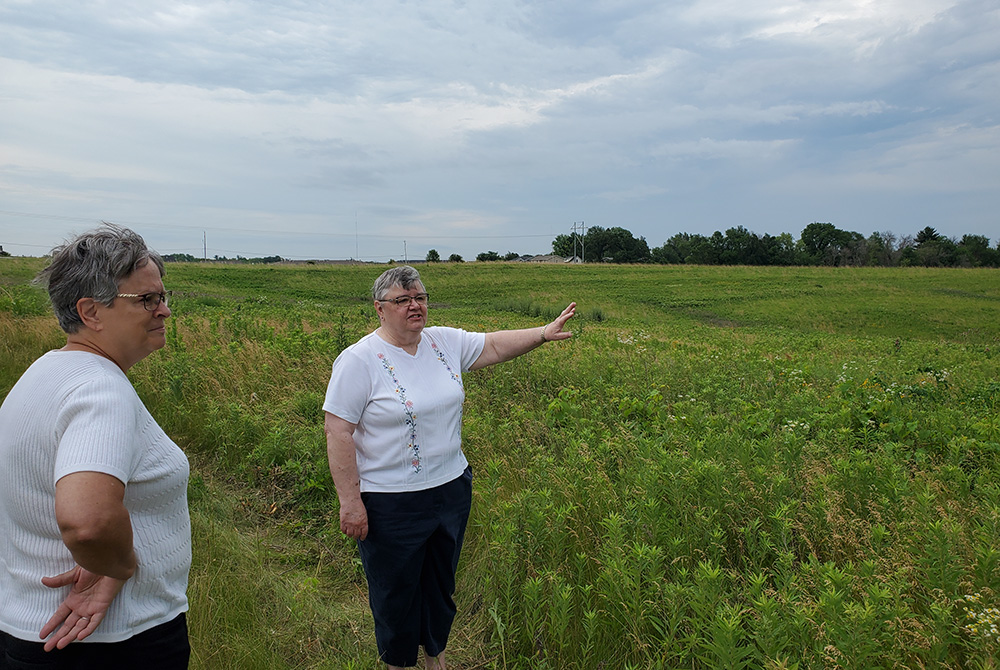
{"x":578,"y":225}
{"x":204,"y":244}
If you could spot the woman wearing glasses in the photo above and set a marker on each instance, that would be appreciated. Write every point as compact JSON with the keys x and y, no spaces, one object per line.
{"x":393,"y":425}
{"x":93,"y":494}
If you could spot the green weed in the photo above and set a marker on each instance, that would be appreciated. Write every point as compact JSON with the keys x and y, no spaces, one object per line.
{"x":725,"y":467}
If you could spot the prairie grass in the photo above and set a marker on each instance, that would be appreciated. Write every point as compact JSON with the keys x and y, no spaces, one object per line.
{"x":724,"y":468}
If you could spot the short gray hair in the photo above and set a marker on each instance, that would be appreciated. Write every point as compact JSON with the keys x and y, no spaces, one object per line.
{"x":402,"y":275}
{"x":93,"y":265}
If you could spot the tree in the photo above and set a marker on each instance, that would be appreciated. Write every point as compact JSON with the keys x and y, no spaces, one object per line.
{"x":567,"y":245}
{"x":488,"y":256}
{"x":825,"y":244}
{"x":455,"y":258}
{"x":741,"y":247}
{"x":817,"y":237}
{"x":614,"y":245}
{"x":433,"y":256}
{"x":905,"y":249}
{"x":665,"y":255}
{"x":974,"y":251}
{"x":511,"y":256}
{"x":780,"y":249}
{"x":243,"y":259}
{"x":854,"y":252}
{"x":819,"y":244}
{"x":882,"y":249}
{"x":927,"y":235}
{"x":706,"y":250}
{"x":626,"y":248}
{"x":677,"y":249}
{"x":937,"y":252}
{"x":737,"y":247}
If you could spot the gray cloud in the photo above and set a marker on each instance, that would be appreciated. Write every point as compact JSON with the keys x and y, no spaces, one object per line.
{"x":474,"y":124}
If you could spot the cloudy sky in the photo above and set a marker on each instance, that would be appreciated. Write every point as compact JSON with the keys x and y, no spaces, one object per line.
{"x":382,"y":129}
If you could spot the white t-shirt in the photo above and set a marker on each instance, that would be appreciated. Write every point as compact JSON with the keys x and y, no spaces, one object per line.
{"x":408,"y":409}
{"x":74,"y":411}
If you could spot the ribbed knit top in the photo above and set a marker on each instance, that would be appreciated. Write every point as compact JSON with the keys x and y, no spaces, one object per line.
{"x":70,"y":412}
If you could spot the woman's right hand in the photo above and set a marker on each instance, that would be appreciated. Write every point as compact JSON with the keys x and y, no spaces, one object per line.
{"x":354,"y":519}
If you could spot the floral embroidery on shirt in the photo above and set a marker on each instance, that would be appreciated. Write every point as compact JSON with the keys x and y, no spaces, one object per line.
{"x":444,"y":361}
{"x":411,"y":416}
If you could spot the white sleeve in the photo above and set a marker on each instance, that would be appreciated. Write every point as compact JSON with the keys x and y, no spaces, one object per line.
{"x":350,"y":387}
{"x":96,"y":430}
{"x":467,"y":345}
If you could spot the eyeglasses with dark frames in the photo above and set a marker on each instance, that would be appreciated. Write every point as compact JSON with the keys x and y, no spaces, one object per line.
{"x":420,"y":299}
{"x":150,"y":301}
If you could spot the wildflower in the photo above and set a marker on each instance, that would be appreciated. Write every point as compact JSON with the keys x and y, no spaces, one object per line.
{"x":982,"y":621}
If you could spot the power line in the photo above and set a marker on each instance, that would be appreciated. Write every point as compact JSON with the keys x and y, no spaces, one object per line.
{"x":265,"y":232}
{"x":427,"y":238}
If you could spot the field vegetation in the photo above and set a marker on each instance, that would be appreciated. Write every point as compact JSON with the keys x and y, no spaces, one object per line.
{"x":726,"y":467}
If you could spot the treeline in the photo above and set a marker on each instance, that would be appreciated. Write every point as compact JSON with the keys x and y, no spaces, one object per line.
{"x":819,"y":244}
{"x":188,"y":258}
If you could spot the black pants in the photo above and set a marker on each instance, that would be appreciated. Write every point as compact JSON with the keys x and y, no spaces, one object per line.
{"x":410,"y":557}
{"x":163,"y":647}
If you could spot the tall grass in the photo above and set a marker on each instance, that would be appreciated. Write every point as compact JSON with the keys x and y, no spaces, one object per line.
{"x":725,"y":467}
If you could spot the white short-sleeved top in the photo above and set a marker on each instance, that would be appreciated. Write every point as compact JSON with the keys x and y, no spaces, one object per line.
{"x":408,"y":408}
{"x":70,"y":412}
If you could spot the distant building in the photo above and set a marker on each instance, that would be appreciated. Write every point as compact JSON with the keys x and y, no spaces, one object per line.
{"x":552,"y":258}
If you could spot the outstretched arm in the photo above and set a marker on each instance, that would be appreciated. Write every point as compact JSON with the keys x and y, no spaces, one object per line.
{"x":503,"y":345}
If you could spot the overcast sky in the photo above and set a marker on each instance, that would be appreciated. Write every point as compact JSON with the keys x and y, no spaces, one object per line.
{"x":383,"y":129}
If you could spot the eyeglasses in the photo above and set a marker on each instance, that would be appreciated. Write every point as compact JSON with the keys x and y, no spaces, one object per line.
{"x":149,"y":300}
{"x":420,"y":299}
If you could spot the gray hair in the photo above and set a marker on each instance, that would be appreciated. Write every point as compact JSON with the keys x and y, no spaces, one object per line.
{"x":92,"y":265}
{"x":402,"y":275}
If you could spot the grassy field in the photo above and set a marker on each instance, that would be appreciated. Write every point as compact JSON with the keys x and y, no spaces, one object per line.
{"x":724,"y":468}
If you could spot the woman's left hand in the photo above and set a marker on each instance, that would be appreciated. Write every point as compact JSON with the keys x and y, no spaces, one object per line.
{"x":84,"y":608}
{"x":503,"y":345}
{"x":554,"y":330}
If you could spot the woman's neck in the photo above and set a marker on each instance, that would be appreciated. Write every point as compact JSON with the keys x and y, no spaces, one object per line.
{"x":407,"y":341}
{"x":75,"y":342}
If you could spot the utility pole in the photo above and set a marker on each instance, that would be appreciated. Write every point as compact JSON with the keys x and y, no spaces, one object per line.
{"x":204,"y":244}
{"x":578,"y":225}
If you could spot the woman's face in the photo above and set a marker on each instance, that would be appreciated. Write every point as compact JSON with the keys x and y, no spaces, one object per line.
{"x":409,"y":317}
{"x":130,"y":332}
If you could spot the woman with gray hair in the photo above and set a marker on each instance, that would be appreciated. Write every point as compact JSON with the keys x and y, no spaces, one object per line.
{"x":394,"y":441}
{"x":93,"y":494}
